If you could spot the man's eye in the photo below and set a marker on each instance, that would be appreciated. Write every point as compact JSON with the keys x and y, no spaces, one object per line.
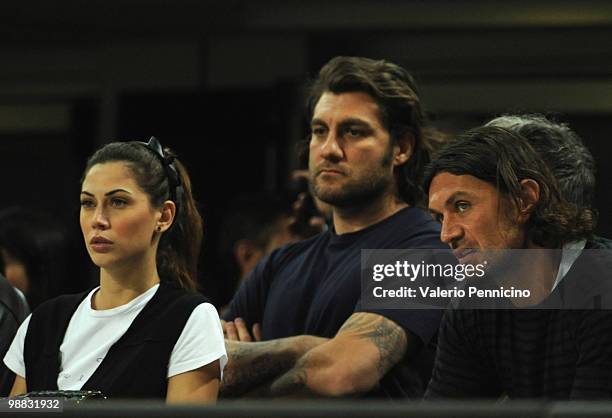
{"x":462,"y":206}
{"x":437,"y":217}
{"x":355,"y":132}
{"x":318,"y":131}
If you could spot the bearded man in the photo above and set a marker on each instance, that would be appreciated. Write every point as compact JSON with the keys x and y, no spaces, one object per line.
{"x":366,"y":157}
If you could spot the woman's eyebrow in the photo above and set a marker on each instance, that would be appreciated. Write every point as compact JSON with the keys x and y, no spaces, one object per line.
{"x":108,"y":193}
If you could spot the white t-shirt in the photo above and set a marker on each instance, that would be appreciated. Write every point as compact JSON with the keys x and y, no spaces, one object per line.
{"x":569,"y":254}
{"x":91,"y":333}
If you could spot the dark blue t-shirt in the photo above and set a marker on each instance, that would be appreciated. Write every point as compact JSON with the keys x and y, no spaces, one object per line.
{"x":313,"y":286}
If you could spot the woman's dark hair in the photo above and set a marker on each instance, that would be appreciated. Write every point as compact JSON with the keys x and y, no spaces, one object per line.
{"x":395,"y":92}
{"x":162,"y":177}
{"x":37,"y":241}
{"x":503,"y":158}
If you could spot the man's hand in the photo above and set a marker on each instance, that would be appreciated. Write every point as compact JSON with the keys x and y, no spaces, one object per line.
{"x":237,"y":330}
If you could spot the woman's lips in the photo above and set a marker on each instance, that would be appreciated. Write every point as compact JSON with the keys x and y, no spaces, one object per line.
{"x":100,"y":244}
{"x":101,"y":247}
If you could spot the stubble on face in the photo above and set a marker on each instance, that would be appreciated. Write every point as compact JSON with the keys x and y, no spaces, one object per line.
{"x":359,"y":188}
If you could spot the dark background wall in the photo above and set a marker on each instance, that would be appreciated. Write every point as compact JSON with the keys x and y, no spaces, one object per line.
{"x":222,"y":82}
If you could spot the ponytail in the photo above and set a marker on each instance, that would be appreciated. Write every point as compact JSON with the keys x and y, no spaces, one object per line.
{"x":179,"y":247}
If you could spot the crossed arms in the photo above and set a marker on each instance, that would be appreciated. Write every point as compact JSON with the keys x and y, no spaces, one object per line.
{"x":350,"y":363}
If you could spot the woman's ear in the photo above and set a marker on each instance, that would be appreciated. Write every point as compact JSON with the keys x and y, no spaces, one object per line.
{"x":168,"y":212}
{"x":404,"y":147}
{"x":530,"y":195}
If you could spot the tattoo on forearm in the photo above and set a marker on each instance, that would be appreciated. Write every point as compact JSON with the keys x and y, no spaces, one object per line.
{"x":294,"y":382}
{"x":388,"y":337}
{"x":252,"y":365}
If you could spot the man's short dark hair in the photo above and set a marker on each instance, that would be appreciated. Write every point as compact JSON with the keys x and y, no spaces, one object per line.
{"x":562,"y":149}
{"x":503,"y":158}
{"x":395,"y":92}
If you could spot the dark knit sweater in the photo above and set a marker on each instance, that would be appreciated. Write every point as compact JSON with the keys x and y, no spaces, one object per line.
{"x":552,"y":354}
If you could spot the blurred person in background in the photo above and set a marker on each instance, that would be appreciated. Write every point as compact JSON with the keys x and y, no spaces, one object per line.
{"x":310,"y":215}
{"x":13,"y":310}
{"x":33,"y":253}
{"x":253,"y":226}
{"x":564,"y":152}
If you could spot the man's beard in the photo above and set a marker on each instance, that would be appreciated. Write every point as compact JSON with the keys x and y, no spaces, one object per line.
{"x":359,"y":192}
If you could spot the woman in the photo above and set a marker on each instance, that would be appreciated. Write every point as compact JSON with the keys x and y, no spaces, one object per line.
{"x":143,"y":333}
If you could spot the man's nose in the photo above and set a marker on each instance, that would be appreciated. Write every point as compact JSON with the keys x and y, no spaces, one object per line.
{"x":450,"y":233}
{"x":331,"y":148}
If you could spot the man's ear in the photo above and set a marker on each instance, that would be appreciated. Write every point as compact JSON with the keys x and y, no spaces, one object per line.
{"x":404,"y":147}
{"x":168,"y":212}
{"x":529,"y":197}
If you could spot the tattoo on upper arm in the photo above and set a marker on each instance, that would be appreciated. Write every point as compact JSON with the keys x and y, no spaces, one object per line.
{"x":387,"y":336}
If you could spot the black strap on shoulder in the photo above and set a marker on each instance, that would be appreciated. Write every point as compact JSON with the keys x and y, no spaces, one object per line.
{"x":43,"y":339}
